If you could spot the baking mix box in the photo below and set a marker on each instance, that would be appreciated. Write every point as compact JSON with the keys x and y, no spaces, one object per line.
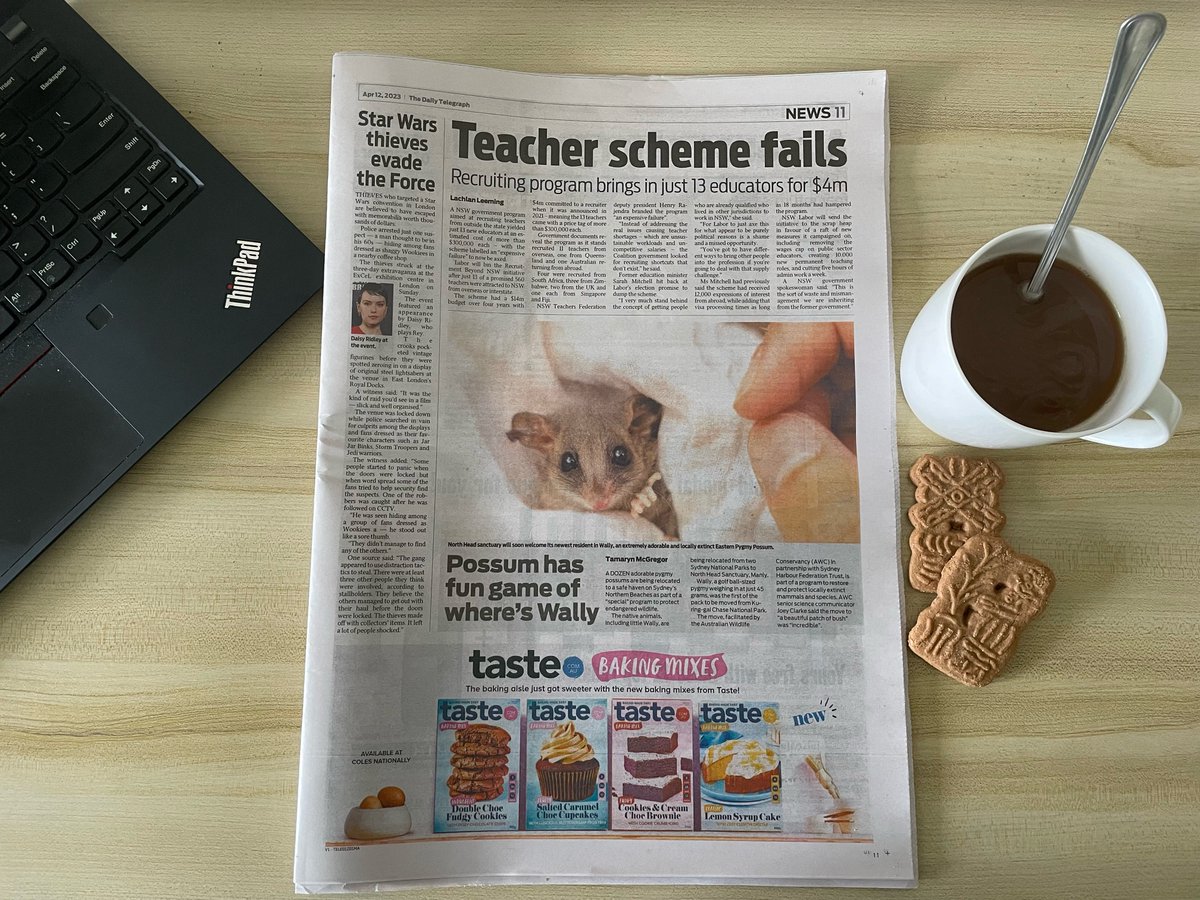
{"x":478,"y":765}
{"x":566,"y":764}
{"x":739,"y":766}
{"x":653,"y":758}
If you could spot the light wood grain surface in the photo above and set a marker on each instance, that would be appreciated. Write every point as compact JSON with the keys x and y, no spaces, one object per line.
{"x":151,"y":661}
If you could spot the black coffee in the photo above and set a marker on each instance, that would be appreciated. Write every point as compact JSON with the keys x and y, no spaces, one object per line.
{"x":1048,"y":365}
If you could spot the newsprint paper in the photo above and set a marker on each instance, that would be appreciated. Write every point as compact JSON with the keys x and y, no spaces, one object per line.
{"x":605,"y":580}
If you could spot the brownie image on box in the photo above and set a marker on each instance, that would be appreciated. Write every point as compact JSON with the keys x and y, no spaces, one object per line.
{"x":659,"y":790}
{"x":667,"y":743}
{"x":651,"y":766}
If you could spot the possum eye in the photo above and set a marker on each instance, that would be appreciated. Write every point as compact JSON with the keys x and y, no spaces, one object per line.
{"x":569,"y":462}
{"x":621,"y":457}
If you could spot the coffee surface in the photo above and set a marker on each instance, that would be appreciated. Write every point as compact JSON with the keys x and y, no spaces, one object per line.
{"x":1049,"y":364}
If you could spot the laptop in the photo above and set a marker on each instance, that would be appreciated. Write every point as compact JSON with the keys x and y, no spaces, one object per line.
{"x":138,"y":268}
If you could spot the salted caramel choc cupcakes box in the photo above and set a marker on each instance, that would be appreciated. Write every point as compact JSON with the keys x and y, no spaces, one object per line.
{"x":740,"y":766}
{"x":478,"y":765}
{"x":653,"y":775}
{"x":566,"y":764}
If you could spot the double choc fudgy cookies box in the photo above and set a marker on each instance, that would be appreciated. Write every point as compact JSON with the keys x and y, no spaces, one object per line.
{"x":566,"y":764}
{"x":478,"y":765}
{"x":653,"y":777}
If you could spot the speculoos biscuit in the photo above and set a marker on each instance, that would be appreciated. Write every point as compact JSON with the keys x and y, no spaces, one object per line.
{"x":956,"y":498}
{"x":987,"y":594}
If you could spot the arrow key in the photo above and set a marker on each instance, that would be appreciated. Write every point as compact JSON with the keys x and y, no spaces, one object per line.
{"x":170,"y":183}
{"x":144,"y":209}
{"x":129,"y":192}
{"x":117,"y":231}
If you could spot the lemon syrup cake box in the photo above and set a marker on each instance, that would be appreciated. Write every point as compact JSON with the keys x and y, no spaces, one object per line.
{"x":566,"y":769}
{"x":653,"y":765}
{"x":478,"y":765}
{"x":739,"y":766}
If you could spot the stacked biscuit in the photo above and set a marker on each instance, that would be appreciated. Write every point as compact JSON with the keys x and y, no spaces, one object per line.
{"x":478,"y":762}
{"x":985,"y":592}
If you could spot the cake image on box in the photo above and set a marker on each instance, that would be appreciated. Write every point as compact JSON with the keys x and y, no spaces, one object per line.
{"x":652,"y":753}
{"x":741,"y":772}
{"x":477,"y":765}
{"x":567,"y":767}
{"x":746,"y":767}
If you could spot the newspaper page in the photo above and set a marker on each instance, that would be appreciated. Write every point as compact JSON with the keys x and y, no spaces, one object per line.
{"x":605,"y":580}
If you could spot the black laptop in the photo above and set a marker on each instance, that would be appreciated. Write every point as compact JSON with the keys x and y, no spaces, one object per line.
{"x":138,"y":268}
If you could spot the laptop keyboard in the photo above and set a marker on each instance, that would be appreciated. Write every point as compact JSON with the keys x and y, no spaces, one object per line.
{"x":79,"y":178}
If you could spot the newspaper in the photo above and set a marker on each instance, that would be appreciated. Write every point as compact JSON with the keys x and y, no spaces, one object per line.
{"x":605,"y":579}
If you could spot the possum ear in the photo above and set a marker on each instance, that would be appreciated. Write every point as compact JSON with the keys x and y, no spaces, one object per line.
{"x":643,"y":416}
{"x":533,"y":430}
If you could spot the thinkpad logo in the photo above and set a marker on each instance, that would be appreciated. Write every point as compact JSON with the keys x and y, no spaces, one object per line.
{"x":243,"y":271}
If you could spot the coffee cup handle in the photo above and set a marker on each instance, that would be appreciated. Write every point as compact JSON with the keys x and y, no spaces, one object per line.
{"x":1164,"y":410}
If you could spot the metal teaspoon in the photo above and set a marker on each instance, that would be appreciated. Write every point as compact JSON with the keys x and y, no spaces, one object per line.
{"x":1136,"y":40}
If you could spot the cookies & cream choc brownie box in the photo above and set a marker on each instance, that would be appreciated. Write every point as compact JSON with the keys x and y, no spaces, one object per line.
{"x":478,"y":764}
{"x":566,"y":767}
{"x":740,"y":767}
{"x":653,"y":780}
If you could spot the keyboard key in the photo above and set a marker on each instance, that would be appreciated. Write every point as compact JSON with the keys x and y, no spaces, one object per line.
{"x":6,"y":321}
{"x":100,"y":129}
{"x":89,"y":185}
{"x":170,"y":183}
{"x":42,"y":137}
{"x":54,"y":218}
{"x":144,"y":209}
{"x":22,"y":295}
{"x":26,"y":243}
{"x":129,"y":192}
{"x":11,"y":127}
{"x":156,"y":165}
{"x":8,"y":269}
{"x":51,"y":268}
{"x":118,"y":231}
{"x":16,"y":206}
{"x":49,"y":86}
{"x":100,"y":215}
{"x":15,"y":162}
{"x":79,"y":243}
{"x":45,"y":181}
{"x":9,"y":85}
{"x":36,"y":59}
{"x":72,"y":109}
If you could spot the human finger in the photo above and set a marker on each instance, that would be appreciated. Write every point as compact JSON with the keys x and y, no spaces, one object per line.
{"x":792,"y":358}
{"x":809,"y":479}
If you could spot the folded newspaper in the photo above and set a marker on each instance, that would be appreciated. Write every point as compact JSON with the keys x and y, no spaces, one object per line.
{"x":605,"y":579}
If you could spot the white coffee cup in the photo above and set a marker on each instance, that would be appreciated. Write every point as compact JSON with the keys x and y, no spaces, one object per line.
{"x":940,"y":395}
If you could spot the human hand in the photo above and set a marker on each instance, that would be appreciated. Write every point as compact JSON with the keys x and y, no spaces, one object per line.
{"x":799,"y":392}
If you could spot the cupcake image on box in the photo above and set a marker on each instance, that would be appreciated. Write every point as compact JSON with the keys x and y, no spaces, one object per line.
{"x":566,"y":777}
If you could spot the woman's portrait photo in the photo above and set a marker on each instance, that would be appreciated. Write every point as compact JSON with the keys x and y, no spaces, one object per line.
{"x":372,"y":313}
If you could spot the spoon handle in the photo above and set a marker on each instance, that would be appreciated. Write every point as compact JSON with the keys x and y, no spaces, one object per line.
{"x":1136,"y":40}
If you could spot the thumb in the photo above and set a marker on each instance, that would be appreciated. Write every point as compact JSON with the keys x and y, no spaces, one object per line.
{"x":809,"y":478}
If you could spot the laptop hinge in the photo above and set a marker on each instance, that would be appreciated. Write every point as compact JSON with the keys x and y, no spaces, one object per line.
{"x":14,"y":29}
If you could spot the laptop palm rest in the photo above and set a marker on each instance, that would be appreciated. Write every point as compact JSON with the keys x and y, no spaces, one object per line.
{"x":65,"y":438}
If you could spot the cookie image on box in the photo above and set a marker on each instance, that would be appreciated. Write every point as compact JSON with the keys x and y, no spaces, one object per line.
{"x":477,"y":765}
{"x":740,"y":767}
{"x":987,"y":594}
{"x":653,"y":765}
{"x":955,"y":498}
{"x":566,"y":775}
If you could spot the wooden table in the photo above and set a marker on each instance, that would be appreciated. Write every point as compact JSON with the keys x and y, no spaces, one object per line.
{"x":151,"y":661}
